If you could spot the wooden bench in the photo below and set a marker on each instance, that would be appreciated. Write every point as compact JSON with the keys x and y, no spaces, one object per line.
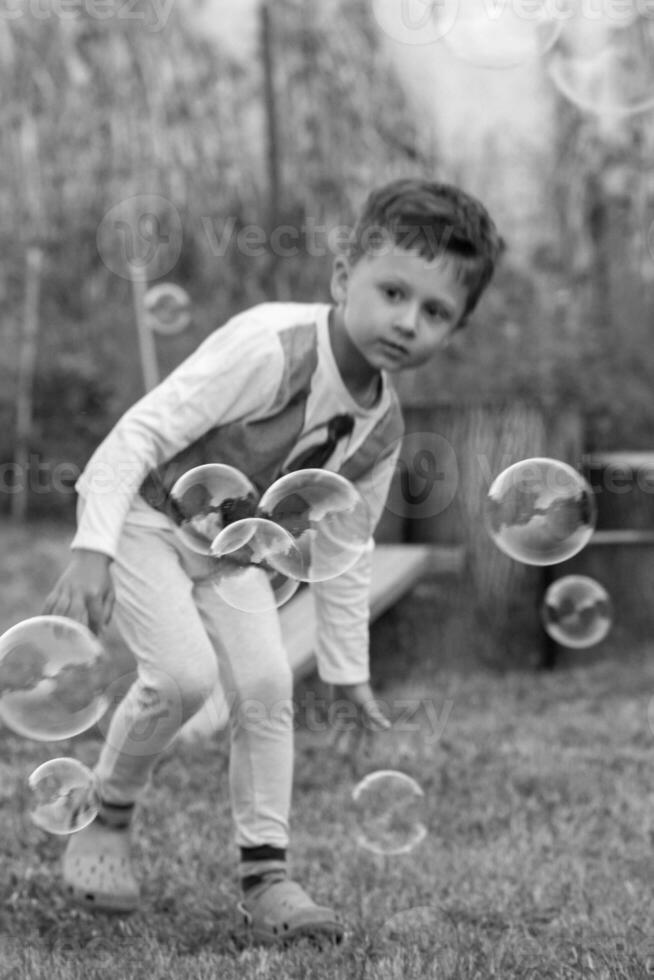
{"x":621,"y":462}
{"x":396,"y":569}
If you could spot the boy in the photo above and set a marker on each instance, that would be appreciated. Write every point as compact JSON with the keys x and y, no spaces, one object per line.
{"x":281,"y":386}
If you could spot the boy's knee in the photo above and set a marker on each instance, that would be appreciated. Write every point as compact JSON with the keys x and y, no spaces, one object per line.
{"x":187,"y":689}
{"x":272,"y":685}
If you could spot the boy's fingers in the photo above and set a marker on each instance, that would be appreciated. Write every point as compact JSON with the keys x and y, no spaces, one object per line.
{"x":374,"y":717}
{"x":57,"y":604}
{"x":108,"y":607}
{"x":95,"y":612}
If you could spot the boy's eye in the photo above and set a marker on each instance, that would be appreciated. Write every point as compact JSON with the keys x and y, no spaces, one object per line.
{"x":391,"y":292}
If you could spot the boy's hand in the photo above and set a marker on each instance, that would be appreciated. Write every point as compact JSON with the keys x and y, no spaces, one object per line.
{"x":369,"y":714}
{"x":84,"y":591}
{"x":353,"y":737}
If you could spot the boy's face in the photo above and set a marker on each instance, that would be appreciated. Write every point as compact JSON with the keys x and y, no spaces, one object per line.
{"x":397,"y":307}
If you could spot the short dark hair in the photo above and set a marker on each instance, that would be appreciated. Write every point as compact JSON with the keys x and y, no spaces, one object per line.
{"x":431,"y":219}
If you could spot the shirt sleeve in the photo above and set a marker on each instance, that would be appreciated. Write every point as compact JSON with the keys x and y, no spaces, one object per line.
{"x":343,"y":603}
{"x":233,"y":374}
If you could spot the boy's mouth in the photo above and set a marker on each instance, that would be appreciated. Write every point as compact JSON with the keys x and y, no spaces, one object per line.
{"x":395,"y":350}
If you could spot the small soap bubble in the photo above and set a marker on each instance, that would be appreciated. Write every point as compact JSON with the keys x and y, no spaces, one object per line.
{"x":167,"y":308}
{"x":54,"y":678}
{"x":63,"y":797}
{"x":540,"y":511}
{"x":257,"y":563}
{"x":206,"y":499}
{"x":390,"y":812}
{"x":326,"y":517}
{"x":577,"y":611}
{"x":605,"y":65}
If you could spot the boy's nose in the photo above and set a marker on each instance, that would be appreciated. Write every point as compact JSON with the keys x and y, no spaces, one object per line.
{"x":407,"y":323}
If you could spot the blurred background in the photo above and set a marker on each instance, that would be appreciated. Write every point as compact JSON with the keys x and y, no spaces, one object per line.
{"x":214,"y":144}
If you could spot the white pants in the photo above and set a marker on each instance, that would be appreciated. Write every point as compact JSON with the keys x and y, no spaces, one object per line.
{"x":185,"y":638}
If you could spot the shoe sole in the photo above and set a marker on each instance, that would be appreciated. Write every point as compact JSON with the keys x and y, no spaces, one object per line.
{"x":101,"y":903}
{"x":325,"y":934}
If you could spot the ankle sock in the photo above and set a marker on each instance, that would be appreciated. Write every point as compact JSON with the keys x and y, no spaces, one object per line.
{"x":118,"y":816}
{"x":261,"y":865}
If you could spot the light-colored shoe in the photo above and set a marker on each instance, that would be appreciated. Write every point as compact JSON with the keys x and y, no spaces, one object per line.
{"x":97,"y":869}
{"x":281,"y":912}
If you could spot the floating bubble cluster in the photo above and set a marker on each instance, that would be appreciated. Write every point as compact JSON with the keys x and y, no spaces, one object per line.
{"x":540,"y":511}
{"x":309,"y":526}
{"x":54,"y":677}
{"x":577,"y":611}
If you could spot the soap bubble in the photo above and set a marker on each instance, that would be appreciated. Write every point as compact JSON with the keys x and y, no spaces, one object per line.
{"x":577,"y":611}
{"x":206,"y":499}
{"x":257,"y":564}
{"x":63,"y":796}
{"x":606,"y":66}
{"x":498,"y":36}
{"x":167,"y":308}
{"x":54,"y":677}
{"x":540,"y":511}
{"x":326,"y":517}
{"x":390,"y":812}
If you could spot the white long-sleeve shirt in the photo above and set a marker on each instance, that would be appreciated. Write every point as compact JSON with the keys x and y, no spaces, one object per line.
{"x":257,"y":391}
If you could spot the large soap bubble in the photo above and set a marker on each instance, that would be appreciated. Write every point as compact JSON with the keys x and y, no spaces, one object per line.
{"x":325,"y":515}
{"x":54,"y":678}
{"x":206,"y":499}
{"x":63,"y":797}
{"x":257,"y":565}
{"x":390,"y":812}
{"x":577,"y":611}
{"x":540,"y":511}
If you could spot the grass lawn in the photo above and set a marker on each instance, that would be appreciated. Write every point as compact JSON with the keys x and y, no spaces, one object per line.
{"x":538,"y":861}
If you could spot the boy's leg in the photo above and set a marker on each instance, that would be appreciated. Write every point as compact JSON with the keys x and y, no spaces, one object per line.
{"x":156,"y":615}
{"x":258,"y":683}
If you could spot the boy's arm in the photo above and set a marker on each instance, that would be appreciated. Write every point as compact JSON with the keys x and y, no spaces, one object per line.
{"x":234,"y":373}
{"x":343,"y":604}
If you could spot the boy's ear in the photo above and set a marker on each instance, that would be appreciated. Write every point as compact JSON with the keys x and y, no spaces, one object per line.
{"x":340,"y":279}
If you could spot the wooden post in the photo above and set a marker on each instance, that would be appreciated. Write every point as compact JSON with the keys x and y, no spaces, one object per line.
{"x":25,"y":382}
{"x":273,"y":190}
{"x":147,"y":346}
